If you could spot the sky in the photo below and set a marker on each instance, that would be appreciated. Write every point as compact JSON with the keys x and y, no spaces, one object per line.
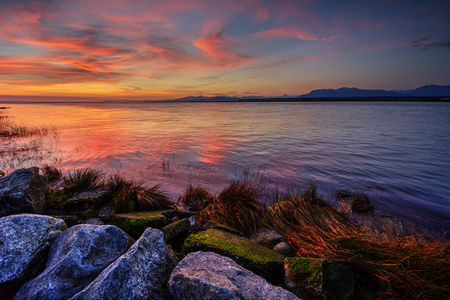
{"x":165,"y":49}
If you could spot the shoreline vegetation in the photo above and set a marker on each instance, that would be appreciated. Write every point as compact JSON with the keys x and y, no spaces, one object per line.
{"x":388,"y":259}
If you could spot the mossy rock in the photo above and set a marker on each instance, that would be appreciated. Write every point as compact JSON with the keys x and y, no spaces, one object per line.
{"x":135,"y":223}
{"x":317,"y":278}
{"x":252,"y":256}
{"x":176,"y":232}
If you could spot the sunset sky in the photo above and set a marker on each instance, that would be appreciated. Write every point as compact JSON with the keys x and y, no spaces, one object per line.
{"x":148,"y":49}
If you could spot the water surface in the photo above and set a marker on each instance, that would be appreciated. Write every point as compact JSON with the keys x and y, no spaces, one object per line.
{"x":402,"y":148}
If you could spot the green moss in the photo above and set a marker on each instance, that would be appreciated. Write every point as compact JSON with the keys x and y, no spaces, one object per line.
{"x":306,"y":271}
{"x":136,"y":222}
{"x":226,"y":228}
{"x":248,"y":254}
{"x":175,"y":229}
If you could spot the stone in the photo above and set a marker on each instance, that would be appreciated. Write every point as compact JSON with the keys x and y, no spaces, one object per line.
{"x":76,"y":258}
{"x":176,"y":232}
{"x":317,"y":278}
{"x":135,"y":223}
{"x":94,"y":221}
{"x":25,"y":241}
{"x":284,"y":249}
{"x":91,"y":198}
{"x":259,"y":259}
{"x":267,"y":237}
{"x":207,"y":275}
{"x":22,"y":191}
{"x":141,"y":273}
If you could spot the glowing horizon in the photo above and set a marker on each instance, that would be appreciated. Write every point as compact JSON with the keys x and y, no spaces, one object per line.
{"x":171,"y":49}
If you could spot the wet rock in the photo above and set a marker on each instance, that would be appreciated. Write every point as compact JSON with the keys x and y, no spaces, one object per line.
{"x":24,"y":244}
{"x":22,"y":191}
{"x":250,"y":255}
{"x":207,"y":275}
{"x":141,"y":273}
{"x":284,"y":249}
{"x":76,"y":258}
{"x":267,"y":237}
{"x":317,"y":278}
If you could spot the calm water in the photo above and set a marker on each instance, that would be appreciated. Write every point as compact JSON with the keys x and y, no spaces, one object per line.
{"x":403,"y":148}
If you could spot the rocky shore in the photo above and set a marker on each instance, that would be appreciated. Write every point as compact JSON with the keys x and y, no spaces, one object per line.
{"x":161,"y":254}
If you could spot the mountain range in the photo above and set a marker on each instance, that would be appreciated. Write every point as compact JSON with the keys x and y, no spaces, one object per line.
{"x":427,"y":91}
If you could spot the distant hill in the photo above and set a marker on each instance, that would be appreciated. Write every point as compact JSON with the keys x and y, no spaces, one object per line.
{"x":424,"y":91}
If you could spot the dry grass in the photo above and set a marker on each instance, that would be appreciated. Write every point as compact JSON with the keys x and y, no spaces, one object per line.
{"x":195,"y":199}
{"x":386,"y":261}
{"x":82,"y":180}
{"x":12,"y":129}
{"x":52,"y":173}
{"x":236,"y":206}
{"x":130,"y":196}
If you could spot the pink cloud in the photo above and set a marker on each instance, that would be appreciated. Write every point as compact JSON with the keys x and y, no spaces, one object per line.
{"x":217,"y":47}
{"x":289,"y":32}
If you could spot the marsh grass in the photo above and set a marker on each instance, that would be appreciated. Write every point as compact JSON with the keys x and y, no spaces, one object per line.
{"x":130,"y":196}
{"x":82,"y":180}
{"x":52,"y":173}
{"x":387,"y":261}
{"x":11,"y":129}
{"x":195,"y":198}
{"x":236,"y":206}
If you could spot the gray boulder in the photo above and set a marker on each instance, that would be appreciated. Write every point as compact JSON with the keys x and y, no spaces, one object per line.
{"x":207,"y":275}
{"x":141,"y":273}
{"x":76,"y":258}
{"x":22,"y":191}
{"x":24,"y":244}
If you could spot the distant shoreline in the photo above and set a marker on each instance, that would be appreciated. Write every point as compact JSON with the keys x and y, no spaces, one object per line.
{"x":273,"y":100}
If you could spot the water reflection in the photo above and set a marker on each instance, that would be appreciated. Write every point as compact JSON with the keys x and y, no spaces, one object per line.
{"x":402,"y":147}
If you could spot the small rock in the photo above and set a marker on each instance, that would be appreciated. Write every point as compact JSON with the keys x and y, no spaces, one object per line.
{"x":207,"y":275}
{"x":24,"y":243}
{"x":76,"y":258}
{"x":284,"y":248}
{"x":175,"y":233}
{"x":267,"y":237}
{"x":22,"y":191}
{"x":94,"y":221}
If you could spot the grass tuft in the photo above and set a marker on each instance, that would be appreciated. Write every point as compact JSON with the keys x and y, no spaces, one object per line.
{"x":195,"y":199}
{"x":236,"y":206}
{"x":82,"y":180}
{"x":52,"y":173}
{"x":129,"y":196}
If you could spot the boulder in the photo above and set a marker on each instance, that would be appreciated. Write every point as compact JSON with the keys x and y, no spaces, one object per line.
{"x":76,"y":258}
{"x":141,"y":273}
{"x":267,"y":237}
{"x":89,"y":198}
{"x":317,"y":278}
{"x":22,"y":191}
{"x":24,"y":244}
{"x":250,"y":255}
{"x":207,"y":275}
{"x":135,"y":223}
{"x":284,"y":249}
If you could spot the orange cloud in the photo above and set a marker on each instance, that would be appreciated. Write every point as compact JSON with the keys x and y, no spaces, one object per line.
{"x":290,"y":33}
